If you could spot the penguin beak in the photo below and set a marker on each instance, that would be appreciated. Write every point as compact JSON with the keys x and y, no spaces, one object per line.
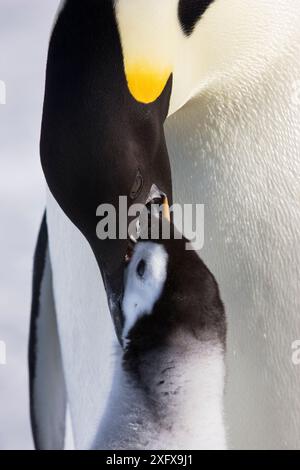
{"x":114,"y":281}
{"x":166,"y":209}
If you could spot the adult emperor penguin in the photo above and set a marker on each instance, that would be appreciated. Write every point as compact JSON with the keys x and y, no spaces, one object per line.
{"x":168,"y":387}
{"x":227,"y":74}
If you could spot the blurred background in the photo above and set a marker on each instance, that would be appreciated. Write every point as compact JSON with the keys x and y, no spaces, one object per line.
{"x":25,"y":27}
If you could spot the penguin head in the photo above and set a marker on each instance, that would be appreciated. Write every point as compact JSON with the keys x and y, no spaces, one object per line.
{"x":170,"y":299}
{"x":98,"y":142}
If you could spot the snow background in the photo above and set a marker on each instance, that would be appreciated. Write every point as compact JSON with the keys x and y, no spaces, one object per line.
{"x":25,"y":27}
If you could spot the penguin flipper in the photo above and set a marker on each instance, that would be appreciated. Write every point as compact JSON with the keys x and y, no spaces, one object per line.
{"x":48,"y":400}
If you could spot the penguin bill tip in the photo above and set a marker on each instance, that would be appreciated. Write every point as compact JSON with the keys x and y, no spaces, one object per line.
{"x":166,"y":209}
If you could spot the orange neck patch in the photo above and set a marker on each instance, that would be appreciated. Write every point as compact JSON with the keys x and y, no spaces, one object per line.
{"x":146,"y":82}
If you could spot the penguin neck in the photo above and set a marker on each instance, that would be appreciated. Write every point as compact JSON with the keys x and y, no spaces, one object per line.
{"x":173,"y":402}
{"x":228,"y":49}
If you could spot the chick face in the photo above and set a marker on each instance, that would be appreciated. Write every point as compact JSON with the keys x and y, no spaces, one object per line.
{"x":169,"y":297}
{"x":145,"y":280}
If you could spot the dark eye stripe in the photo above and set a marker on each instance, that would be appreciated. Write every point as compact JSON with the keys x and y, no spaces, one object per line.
{"x":141,"y":267}
{"x":189,"y":13}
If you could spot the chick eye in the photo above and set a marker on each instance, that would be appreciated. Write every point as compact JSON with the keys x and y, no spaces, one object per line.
{"x":141,"y":267}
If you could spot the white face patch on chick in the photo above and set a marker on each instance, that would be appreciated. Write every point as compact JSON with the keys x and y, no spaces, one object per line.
{"x":144,"y":282}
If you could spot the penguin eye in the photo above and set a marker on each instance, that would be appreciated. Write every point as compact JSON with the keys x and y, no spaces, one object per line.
{"x":137,"y":186}
{"x":141,"y":267}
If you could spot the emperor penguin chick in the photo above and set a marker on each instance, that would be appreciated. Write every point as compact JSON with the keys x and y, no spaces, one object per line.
{"x":168,"y":388}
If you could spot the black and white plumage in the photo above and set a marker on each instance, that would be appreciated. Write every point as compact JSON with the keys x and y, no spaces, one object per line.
{"x":48,"y":397}
{"x":169,"y":387}
{"x":234,"y":147}
{"x":88,"y":157}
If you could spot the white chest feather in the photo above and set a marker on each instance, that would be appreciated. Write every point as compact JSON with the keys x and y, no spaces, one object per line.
{"x":86,"y":332}
{"x":236,"y":150}
{"x":191,"y":418}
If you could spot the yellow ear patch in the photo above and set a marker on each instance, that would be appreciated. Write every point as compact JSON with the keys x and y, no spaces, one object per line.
{"x":148,"y":39}
{"x":146,"y":82}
